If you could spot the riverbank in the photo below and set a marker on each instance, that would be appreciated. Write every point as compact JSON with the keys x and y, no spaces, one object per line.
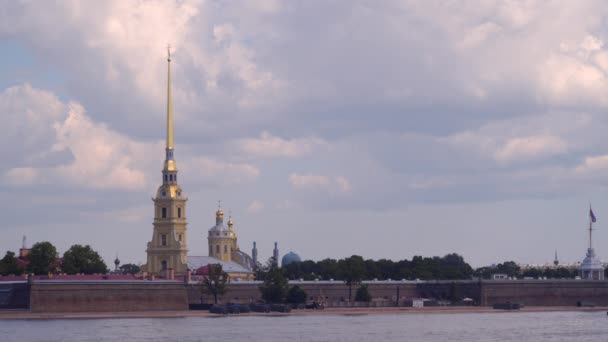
{"x":25,"y":314}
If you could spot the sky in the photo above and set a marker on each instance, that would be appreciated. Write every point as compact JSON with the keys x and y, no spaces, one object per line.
{"x":385,"y":129}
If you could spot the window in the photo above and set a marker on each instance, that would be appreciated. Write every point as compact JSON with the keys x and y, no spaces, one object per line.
{"x":225,"y":248}
{"x":180,"y":237}
{"x":164,"y":213}
{"x":165,"y":178}
{"x":171,"y":178}
{"x":163,"y":265}
{"x":217,"y":249}
{"x":163,"y":239}
{"x":179,"y":212}
{"x":163,"y":194}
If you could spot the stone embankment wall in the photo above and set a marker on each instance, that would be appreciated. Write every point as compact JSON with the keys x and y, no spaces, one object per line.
{"x":545,"y":292}
{"x":331,"y":292}
{"x":87,"y":296}
{"x":81,"y":296}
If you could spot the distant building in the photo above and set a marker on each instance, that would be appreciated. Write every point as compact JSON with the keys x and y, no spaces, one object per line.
{"x":224,"y":250}
{"x":591,"y":267}
{"x":289,"y":258}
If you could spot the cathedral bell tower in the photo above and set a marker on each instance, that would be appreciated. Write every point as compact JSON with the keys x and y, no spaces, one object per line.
{"x":168,"y":249}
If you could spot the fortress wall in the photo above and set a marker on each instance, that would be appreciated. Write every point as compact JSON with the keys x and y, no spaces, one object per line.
{"x":331,"y":291}
{"x":544,"y":292}
{"x":81,"y":296}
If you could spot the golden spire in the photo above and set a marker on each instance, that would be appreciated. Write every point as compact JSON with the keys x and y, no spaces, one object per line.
{"x":219,"y":213}
{"x":169,"y":104}
{"x":230,"y":223}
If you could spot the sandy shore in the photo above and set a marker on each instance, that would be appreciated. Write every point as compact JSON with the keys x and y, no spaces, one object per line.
{"x":25,"y":314}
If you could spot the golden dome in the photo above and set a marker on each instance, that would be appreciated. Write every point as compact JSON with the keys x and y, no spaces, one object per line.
{"x":219,"y":213}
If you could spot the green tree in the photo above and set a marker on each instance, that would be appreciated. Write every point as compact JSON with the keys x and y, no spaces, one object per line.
{"x":509,"y":268}
{"x":82,"y":259}
{"x":42,"y":258}
{"x":352,"y":271}
{"x":129,"y":269}
{"x":363,"y":294}
{"x":9,"y":265}
{"x":215,"y":282}
{"x":296,"y":295}
{"x":274,"y":288}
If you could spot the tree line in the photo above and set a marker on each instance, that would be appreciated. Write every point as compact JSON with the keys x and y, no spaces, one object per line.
{"x":513,"y":270}
{"x":43,"y":258}
{"x":449,"y":267}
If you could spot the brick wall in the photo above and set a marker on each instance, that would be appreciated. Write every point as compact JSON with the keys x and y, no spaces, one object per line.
{"x":74,"y":296}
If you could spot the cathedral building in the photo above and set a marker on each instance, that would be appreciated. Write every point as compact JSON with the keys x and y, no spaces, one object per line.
{"x":224,"y":250}
{"x":167,"y":251}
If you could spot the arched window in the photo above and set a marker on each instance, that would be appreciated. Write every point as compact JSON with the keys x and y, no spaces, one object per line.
{"x":163,"y":265}
{"x":179,"y":212}
{"x":165,"y":178}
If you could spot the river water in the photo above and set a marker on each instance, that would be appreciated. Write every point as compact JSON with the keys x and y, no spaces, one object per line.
{"x":419,"y":327}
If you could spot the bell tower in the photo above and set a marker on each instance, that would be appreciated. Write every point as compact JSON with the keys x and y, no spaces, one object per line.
{"x":168,"y":248}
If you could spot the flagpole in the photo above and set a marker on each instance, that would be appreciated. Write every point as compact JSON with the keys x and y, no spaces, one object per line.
{"x":590,"y":229}
{"x":590,"y":226}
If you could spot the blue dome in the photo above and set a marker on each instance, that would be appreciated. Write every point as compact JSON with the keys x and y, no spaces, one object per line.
{"x":289,"y":258}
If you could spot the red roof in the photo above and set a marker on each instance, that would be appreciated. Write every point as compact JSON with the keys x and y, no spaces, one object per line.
{"x":203,"y":270}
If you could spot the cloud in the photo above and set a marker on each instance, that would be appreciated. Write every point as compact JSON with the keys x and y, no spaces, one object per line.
{"x":530,"y":147}
{"x":337,"y":184}
{"x":99,"y":157}
{"x":255,"y":206}
{"x":208,"y":171}
{"x":269,"y":146}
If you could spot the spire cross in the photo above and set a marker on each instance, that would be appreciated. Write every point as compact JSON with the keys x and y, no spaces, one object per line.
{"x":219,"y":204}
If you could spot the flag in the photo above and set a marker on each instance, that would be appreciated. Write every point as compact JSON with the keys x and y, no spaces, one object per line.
{"x":591,"y":215}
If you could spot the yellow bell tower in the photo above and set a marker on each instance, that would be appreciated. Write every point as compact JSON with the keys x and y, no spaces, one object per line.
{"x":168,"y":248}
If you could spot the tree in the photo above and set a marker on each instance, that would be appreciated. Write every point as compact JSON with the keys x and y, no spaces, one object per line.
{"x":129,"y":269}
{"x":275,"y":286}
{"x":9,"y":265}
{"x":82,"y":259}
{"x":352,"y":271}
{"x":509,"y":268}
{"x":42,"y":258}
{"x":362,"y":294}
{"x":215,"y":282}
{"x":296,"y":295}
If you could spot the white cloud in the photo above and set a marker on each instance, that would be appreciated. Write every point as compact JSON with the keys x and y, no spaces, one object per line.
{"x":255,"y":206}
{"x":593,"y":164}
{"x":337,"y":184}
{"x":99,"y":157}
{"x":217,"y":172}
{"x":526,"y":148}
{"x":269,"y":146}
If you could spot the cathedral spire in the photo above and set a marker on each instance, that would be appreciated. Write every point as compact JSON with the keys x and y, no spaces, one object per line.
{"x":169,"y":102}
{"x":169,"y":170}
